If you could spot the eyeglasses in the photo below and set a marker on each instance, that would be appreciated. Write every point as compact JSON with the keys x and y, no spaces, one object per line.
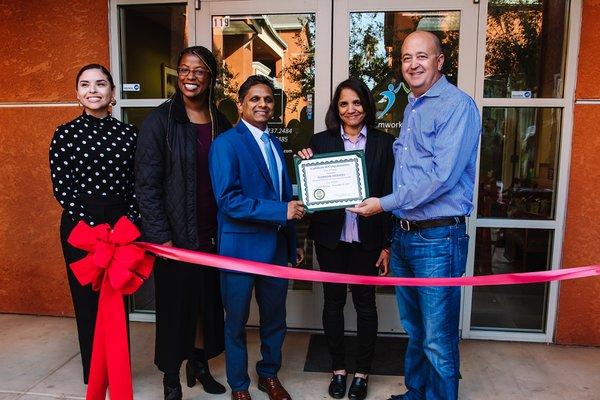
{"x":198,"y":72}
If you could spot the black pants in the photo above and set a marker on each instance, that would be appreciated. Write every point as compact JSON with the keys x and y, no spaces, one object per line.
{"x":85,"y":300}
{"x":351,"y":259}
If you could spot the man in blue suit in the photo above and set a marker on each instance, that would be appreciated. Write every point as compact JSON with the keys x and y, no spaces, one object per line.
{"x":256,"y":213}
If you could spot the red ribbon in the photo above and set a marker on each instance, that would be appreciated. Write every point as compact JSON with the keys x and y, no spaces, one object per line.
{"x":253,"y":267}
{"x":115,"y":267}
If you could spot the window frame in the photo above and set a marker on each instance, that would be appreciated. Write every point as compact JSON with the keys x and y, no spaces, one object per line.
{"x":557,"y":224}
{"x":115,"y":53}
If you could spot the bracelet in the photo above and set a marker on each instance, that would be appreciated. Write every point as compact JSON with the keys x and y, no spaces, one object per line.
{"x":386,"y":250}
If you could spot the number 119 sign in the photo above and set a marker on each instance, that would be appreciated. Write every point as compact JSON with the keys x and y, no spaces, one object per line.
{"x":220,"y":22}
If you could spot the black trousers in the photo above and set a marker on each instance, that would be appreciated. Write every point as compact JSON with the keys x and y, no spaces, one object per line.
{"x":349,"y":258}
{"x":85,"y":300}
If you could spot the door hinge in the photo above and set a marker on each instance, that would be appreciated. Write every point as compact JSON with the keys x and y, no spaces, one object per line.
{"x":198,"y":4}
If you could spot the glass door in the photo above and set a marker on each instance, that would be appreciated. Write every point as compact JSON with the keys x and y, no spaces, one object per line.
{"x":146,"y":38}
{"x":517,"y":59}
{"x":524,"y":87}
{"x":367,"y":40}
{"x":291,"y":44}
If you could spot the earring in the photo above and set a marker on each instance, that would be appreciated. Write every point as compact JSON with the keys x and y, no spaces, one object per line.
{"x":113,"y":102}
{"x":79,"y":104}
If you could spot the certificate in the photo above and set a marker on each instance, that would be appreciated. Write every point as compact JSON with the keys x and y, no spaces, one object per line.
{"x":332,"y":180}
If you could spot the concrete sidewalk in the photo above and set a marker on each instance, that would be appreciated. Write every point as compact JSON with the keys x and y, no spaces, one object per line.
{"x":39,"y":359}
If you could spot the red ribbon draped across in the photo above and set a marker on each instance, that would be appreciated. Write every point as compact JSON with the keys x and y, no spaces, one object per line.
{"x":115,"y":267}
{"x":253,"y":267}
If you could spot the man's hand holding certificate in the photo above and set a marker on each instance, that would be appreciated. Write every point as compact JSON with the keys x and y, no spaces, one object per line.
{"x":331,"y":180}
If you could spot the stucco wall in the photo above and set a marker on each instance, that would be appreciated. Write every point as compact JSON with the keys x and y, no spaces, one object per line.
{"x":44,"y":44}
{"x":578,"y":320}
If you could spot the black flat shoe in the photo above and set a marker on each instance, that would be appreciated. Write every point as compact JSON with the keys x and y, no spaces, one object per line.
{"x":198,"y":371}
{"x":337,"y":386}
{"x":172,"y":392}
{"x":358,"y":389}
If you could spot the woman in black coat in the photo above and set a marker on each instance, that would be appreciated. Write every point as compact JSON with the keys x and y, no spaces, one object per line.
{"x":346,"y":243}
{"x":178,"y":209}
{"x":91,"y":163}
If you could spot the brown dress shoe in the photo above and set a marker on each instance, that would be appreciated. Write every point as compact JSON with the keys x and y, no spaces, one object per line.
{"x":273,"y":388}
{"x":240,"y":395}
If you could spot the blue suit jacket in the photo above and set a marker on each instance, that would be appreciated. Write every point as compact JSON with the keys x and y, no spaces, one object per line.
{"x":250,"y":214}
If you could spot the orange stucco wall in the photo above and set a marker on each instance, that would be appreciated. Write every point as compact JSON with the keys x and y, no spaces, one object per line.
{"x":578,"y":320}
{"x":44,"y":44}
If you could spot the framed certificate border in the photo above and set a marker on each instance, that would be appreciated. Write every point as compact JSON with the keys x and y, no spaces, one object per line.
{"x":356,"y":156}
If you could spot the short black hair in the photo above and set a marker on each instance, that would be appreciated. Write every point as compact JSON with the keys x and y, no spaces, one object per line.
{"x":332,"y":118}
{"x":254,"y":80}
{"x":102,"y":68}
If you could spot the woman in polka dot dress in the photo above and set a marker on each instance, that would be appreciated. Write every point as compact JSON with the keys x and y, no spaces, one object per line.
{"x":91,"y":162}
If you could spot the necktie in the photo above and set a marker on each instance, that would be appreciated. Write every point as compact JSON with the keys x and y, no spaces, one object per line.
{"x":272,"y":164}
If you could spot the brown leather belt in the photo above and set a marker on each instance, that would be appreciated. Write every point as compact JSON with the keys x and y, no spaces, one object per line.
{"x":408,"y":226}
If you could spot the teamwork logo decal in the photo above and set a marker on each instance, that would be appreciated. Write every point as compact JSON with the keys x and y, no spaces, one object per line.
{"x":390,"y":97}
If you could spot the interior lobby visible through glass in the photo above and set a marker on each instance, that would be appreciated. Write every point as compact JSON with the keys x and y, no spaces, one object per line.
{"x":511,"y":307}
{"x":518,"y":163}
{"x":151,"y":38}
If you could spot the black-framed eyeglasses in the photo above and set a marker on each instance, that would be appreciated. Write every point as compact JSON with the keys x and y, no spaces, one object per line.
{"x":198,"y":72}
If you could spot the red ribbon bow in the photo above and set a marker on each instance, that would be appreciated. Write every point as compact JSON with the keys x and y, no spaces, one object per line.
{"x":115,"y":267}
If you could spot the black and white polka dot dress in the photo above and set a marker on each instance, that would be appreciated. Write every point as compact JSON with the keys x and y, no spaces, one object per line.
{"x":93,"y":158}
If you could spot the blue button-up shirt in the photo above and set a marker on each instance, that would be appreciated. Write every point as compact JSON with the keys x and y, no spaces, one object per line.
{"x":435,"y":155}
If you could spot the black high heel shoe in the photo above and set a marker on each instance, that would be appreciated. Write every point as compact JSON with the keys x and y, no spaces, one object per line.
{"x":196,"y":370}
{"x":172,"y":390}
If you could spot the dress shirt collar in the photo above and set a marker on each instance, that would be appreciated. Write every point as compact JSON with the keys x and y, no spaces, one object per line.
{"x":434,"y":91}
{"x":363,"y":133}
{"x":257,"y":133}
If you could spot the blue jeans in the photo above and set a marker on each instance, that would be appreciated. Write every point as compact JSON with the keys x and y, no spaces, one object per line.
{"x":430,"y":315}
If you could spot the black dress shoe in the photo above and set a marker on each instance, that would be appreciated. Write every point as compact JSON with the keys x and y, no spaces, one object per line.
{"x":337,"y":386}
{"x":358,"y":389}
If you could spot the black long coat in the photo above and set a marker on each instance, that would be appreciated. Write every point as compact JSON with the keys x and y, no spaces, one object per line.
{"x":374,"y":232}
{"x":166,"y":193}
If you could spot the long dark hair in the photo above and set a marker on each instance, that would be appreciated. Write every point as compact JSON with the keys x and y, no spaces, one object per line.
{"x":208,"y":58}
{"x":332,"y":118}
{"x":102,"y":68}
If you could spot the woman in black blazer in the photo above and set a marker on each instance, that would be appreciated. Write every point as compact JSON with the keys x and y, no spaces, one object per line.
{"x":348,"y":243}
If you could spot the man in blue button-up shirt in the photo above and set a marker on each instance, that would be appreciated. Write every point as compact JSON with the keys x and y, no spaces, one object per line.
{"x":434,"y":174}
